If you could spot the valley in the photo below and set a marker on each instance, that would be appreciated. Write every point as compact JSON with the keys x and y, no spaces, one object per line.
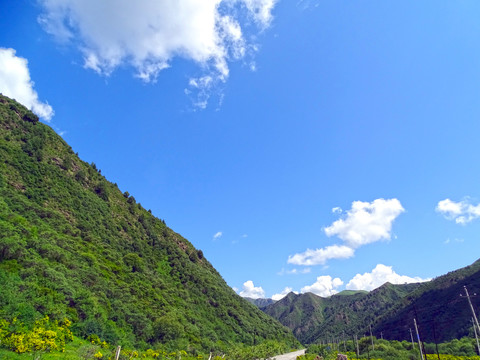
{"x":85,"y":268}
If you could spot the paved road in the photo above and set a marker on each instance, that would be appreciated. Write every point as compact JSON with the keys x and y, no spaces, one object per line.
{"x":289,"y":356}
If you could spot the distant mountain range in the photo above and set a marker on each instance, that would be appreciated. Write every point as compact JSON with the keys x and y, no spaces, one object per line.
{"x":442,"y":314}
{"x":260,"y":303}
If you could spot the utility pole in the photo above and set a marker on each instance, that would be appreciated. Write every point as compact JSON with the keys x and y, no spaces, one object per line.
{"x":476,"y":336}
{"x":411,"y":336}
{"x":471,"y":307}
{"x":371,"y":338}
{"x":358,"y":350}
{"x":117,"y":352}
{"x":418,"y":337}
{"x":418,"y":331}
{"x":435,"y":337}
{"x":381,"y":335}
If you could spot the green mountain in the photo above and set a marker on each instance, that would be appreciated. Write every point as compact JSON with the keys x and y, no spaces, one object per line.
{"x":313,"y":318}
{"x":441,"y":313}
{"x":440,"y":307}
{"x":301,"y":313}
{"x":73,"y":245}
{"x":351,"y":292}
{"x":260,"y":303}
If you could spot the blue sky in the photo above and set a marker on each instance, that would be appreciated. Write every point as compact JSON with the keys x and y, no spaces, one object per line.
{"x":308,"y":145}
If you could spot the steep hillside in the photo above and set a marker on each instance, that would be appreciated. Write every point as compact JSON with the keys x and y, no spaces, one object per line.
{"x":301,"y":313}
{"x":440,"y":310}
{"x":73,"y":245}
{"x":313,"y":318}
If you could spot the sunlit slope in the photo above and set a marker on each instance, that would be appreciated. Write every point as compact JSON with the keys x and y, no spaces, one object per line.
{"x":72,"y":244}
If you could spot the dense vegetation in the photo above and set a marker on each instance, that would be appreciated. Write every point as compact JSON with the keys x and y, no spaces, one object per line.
{"x":463,"y":349}
{"x":312,"y":317}
{"x":442,"y":314}
{"x":73,"y":246}
{"x":50,"y":340}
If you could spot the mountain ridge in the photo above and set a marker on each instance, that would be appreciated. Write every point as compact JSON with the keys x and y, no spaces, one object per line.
{"x":73,"y":245}
{"x":388,"y":309}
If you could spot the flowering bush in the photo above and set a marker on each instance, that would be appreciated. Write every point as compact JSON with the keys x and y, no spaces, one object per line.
{"x":45,"y":335}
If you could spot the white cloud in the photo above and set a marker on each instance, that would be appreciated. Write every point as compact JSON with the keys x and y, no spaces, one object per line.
{"x":147,"y":35}
{"x":261,"y":10}
{"x":217,"y":235}
{"x":324,"y":286}
{"x":321,"y":256}
{"x":281,"y":295}
{"x":379,"y":276}
{"x":461,"y":211}
{"x":307,"y":4}
{"x":15,"y":83}
{"x":366,"y":222}
{"x":457,"y":240}
{"x":249,"y":290}
{"x":295,"y":271}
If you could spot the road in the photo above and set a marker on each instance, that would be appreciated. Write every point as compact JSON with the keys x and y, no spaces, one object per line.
{"x":289,"y":356}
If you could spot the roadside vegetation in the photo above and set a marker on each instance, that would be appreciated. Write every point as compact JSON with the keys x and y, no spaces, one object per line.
{"x":50,"y":340}
{"x":463,"y":349}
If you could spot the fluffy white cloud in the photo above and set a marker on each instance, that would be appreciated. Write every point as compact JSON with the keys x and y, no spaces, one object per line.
{"x":366,"y":222}
{"x":284,"y":293}
{"x":15,"y":83}
{"x":461,"y":211}
{"x":321,"y":256}
{"x":149,"y":34}
{"x":324,"y":286}
{"x":379,"y":276}
{"x":218,"y":235}
{"x":251,"y":291}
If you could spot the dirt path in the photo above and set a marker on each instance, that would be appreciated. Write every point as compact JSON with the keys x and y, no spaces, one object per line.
{"x":289,"y":356}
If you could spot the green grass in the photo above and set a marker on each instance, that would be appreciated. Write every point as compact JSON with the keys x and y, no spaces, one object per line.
{"x":72,"y":352}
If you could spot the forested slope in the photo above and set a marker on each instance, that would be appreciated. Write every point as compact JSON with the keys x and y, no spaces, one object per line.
{"x":314,"y":319}
{"x":440,"y":307}
{"x":73,"y":245}
{"x":442,"y":313}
